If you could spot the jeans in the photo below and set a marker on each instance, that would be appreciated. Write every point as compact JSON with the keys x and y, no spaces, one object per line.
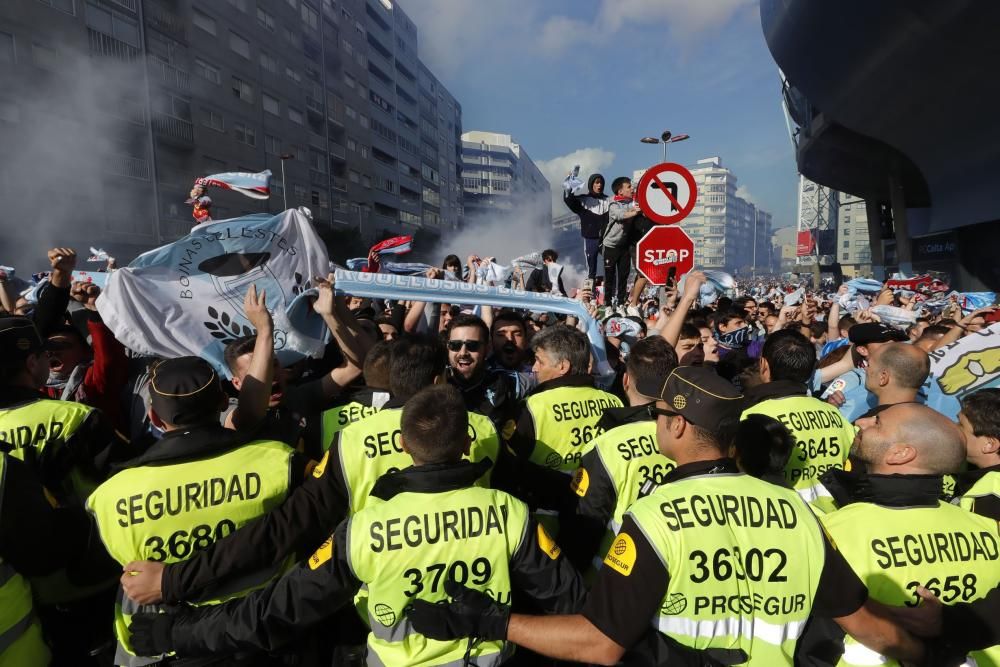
{"x":591,"y":247}
{"x":617,"y":265}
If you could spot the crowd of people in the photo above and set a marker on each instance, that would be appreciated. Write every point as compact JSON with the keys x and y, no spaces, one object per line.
{"x":759,"y":483}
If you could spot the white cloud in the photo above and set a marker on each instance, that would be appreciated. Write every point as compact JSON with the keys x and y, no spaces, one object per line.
{"x":744,"y":192}
{"x":455,"y":34}
{"x":591,"y":160}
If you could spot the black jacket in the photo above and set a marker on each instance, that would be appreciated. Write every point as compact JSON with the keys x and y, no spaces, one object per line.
{"x":591,"y":207}
{"x":314,"y":590}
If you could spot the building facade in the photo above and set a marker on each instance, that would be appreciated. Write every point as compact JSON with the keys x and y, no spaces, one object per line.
{"x":116,"y":106}
{"x":853,"y":242}
{"x":500,"y":179}
{"x":729,"y":232}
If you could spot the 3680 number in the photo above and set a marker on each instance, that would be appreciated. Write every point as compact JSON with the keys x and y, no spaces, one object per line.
{"x":181,"y":544}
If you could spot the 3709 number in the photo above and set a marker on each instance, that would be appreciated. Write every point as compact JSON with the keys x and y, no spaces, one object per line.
{"x":479,"y":572}
{"x":181,"y":544}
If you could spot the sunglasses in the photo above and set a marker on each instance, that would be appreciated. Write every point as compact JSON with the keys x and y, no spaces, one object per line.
{"x":470,"y":345}
{"x":653,"y":411}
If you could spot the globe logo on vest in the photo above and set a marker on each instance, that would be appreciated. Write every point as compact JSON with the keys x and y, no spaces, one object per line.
{"x":673,"y":605}
{"x":385,"y":615}
{"x":553,"y":460}
{"x":620,"y":547}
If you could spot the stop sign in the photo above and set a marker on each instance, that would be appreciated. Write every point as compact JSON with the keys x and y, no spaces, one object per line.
{"x":662,"y":248}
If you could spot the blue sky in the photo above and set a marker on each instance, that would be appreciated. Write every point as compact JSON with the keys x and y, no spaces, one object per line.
{"x":583,"y":80}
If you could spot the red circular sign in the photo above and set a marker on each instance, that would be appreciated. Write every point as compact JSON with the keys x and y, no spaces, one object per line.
{"x":662,"y":248}
{"x":666,"y":193}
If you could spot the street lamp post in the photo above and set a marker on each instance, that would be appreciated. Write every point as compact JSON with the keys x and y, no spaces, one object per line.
{"x":753,"y":269}
{"x":665,"y":138}
{"x":284,"y":190}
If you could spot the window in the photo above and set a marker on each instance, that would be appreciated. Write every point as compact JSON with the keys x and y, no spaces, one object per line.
{"x":351,"y":113}
{"x":204,"y":21}
{"x":116,"y":25}
{"x":847,"y":244}
{"x":360,"y":29}
{"x":847,"y":231}
{"x":354,"y":176}
{"x":846,"y":256}
{"x":363,"y":119}
{"x":238,"y":4}
{"x":239,"y":45}
{"x":364,"y":151}
{"x":207,"y":72}
{"x":295,"y":115}
{"x":61,"y":5}
{"x":346,"y":46}
{"x":310,"y":16}
{"x":44,"y":57}
{"x":300,"y":193}
{"x":268,"y":63}
{"x":213,"y":119}
{"x":352,"y":145}
{"x":265,"y":19}
{"x":271,"y":104}
{"x":349,"y":80}
{"x":293,"y":75}
{"x":272,"y":145}
{"x":366,"y":181}
{"x":6,"y":48}
{"x":242,"y":89}
{"x":245,"y":134}
{"x":294,"y":4}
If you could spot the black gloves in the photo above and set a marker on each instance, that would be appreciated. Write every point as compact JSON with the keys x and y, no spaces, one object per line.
{"x":469,"y":614}
{"x":152,"y":633}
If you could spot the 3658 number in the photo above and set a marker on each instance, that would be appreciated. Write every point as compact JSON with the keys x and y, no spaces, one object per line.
{"x":951,"y":589}
{"x":181,"y":544}
{"x":480,"y":572}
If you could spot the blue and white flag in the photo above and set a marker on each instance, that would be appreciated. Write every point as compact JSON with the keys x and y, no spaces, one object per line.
{"x":186,"y":298}
{"x":967,"y":365}
{"x":418,"y":288}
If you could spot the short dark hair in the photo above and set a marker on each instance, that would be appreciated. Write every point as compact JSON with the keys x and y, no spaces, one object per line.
{"x":508,"y":315}
{"x":763,"y":445}
{"x":550,"y":255}
{"x":564,"y":343}
{"x":741,"y":301}
{"x":236,"y":349}
{"x":817,"y":329}
{"x":618,"y":183}
{"x":435,"y":424}
{"x":377,"y":361}
{"x":790,"y":356}
{"x":982,"y":409}
{"x":416,"y":360}
{"x":468,"y":320}
{"x":846,"y":322}
{"x":650,"y":361}
{"x":766,"y":305}
{"x":909,"y":365}
{"x":689,"y":331}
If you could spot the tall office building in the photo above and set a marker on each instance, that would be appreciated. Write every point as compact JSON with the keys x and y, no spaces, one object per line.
{"x":498,"y":179}
{"x":110,"y":108}
{"x":853,"y":245}
{"x":729,"y":232}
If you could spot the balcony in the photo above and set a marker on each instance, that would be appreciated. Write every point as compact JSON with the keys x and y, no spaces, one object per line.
{"x":127,"y":166}
{"x":340,"y":185}
{"x":124,"y":4}
{"x":166,"y":22}
{"x":314,"y":107}
{"x":173,"y":130}
{"x":337,"y":151}
{"x":318,"y":178}
{"x":109,"y":47}
{"x":170,"y":75}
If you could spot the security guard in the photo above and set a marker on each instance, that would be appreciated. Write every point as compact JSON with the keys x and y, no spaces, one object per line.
{"x":895,"y":531}
{"x":823,"y":437}
{"x":866,"y":338}
{"x":196,"y":485}
{"x":558,"y":418}
{"x":624,"y":462}
{"x":979,"y":419}
{"x":718,"y":561}
{"x":432,"y":524}
{"x":362,"y":402}
{"x":340,"y":485}
{"x":69,"y":445}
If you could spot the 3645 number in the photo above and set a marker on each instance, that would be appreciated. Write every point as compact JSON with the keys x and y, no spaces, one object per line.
{"x":811,"y":449}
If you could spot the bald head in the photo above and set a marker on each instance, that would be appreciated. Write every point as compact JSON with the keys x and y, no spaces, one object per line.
{"x":910,"y":439}
{"x":907,"y":366}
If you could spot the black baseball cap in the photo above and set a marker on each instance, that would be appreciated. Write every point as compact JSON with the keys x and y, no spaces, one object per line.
{"x":185,"y":391}
{"x":698,"y":394}
{"x":18,"y":339}
{"x":875,"y":332}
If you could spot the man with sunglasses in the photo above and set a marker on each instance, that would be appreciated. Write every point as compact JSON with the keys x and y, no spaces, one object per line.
{"x":714,"y":560}
{"x":486,"y":391}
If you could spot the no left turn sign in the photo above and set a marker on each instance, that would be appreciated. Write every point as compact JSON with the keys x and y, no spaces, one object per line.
{"x":666,"y":193}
